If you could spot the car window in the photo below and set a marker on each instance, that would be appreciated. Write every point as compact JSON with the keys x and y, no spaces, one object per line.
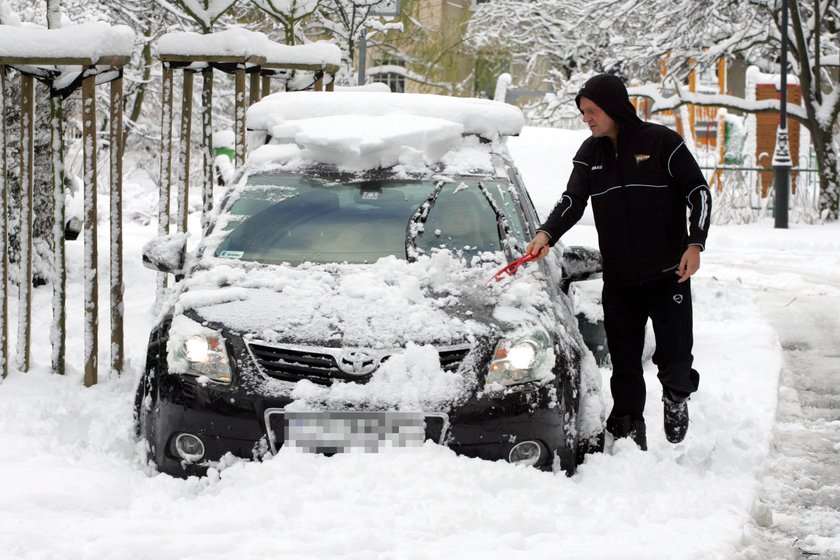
{"x":289,"y":218}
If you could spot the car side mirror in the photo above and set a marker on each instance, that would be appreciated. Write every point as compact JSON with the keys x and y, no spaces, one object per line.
{"x":580,"y":263}
{"x":166,"y":253}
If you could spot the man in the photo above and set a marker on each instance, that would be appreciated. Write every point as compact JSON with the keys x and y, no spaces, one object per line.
{"x":642,"y":181}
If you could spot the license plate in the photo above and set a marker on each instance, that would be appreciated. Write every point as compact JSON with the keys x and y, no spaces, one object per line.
{"x":348,"y":431}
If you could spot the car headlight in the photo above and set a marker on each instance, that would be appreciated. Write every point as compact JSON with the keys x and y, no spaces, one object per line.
{"x":197,"y":350}
{"x":206,"y":355}
{"x":518,"y":360}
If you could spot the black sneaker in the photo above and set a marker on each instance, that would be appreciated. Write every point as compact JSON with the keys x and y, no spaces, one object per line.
{"x":627,"y":426}
{"x":676,"y":417}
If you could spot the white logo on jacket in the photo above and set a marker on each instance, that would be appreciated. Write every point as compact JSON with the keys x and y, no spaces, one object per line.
{"x":678,"y":298}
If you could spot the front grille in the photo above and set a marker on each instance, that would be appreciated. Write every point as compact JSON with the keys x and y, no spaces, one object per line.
{"x":451,"y":357}
{"x":295,"y":363}
{"x":321,"y":364}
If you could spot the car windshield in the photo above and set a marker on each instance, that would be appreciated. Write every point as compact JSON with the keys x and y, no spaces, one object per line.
{"x":295,"y":219}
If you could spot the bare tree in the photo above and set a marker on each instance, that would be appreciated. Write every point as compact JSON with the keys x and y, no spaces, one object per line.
{"x":632,"y":37}
{"x":289,"y":13}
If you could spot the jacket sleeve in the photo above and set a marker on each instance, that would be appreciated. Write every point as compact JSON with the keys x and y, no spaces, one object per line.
{"x":569,"y":208}
{"x":689,"y":179}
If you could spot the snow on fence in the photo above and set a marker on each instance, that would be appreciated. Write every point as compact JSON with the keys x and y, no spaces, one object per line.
{"x":235,"y":51}
{"x":65,"y":59}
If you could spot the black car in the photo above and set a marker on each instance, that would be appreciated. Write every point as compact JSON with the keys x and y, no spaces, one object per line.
{"x":335,"y":311}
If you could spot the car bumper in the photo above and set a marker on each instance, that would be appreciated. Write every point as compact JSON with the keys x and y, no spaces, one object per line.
{"x":230,"y":421}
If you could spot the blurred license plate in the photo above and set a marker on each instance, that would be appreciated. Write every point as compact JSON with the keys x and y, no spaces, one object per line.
{"x":344,"y":431}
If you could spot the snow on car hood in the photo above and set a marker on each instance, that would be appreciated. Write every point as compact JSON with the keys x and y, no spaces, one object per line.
{"x":393,"y":303}
{"x":388,"y":304}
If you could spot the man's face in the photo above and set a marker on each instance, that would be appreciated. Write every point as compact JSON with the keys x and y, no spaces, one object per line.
{"x":599,"y":123}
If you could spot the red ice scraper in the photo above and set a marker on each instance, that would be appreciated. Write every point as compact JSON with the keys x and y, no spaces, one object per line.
{"x":511,"y":268}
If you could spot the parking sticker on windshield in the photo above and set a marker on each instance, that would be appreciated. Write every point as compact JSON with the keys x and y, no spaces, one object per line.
{"x":232,"y":254}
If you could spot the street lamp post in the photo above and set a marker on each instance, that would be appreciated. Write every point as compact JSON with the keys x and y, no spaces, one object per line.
{"x":781,"y":155}
{"x":362,"y":55}
{"x":386,"y":8}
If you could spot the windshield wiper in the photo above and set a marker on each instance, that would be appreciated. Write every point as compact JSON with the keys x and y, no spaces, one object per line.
{"x":506,"y":237}
{"x":416,"y":223}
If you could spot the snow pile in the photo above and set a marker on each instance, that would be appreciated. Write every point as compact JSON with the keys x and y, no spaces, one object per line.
{"x":242,"y":44}
{"x":483,"y":117}
{"x":92,"y":41}
{"x":409,"y":380}
{"x":354,"y":130}
{"x":359,"y":142}
{"x":382,"y":305}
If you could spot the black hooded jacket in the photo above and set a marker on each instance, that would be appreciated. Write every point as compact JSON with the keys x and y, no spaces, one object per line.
{"x":641,"y":194}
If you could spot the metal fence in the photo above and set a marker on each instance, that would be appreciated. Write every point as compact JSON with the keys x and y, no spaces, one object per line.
{"x":738,"y":197}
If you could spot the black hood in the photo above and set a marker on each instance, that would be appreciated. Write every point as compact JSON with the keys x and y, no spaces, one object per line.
{"x":608,"y":93}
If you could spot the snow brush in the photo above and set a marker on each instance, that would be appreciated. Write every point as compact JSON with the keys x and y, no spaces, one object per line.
{"x":511,"y":268}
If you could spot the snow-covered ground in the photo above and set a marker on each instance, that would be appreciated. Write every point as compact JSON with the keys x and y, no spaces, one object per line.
{"x":73,"y":484}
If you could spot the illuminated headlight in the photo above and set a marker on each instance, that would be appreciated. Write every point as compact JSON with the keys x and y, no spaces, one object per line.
{"x":204,"y":354}
{"x":518,"y":360}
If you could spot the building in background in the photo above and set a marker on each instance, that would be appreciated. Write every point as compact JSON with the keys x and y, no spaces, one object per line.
{"x":430,"y":54}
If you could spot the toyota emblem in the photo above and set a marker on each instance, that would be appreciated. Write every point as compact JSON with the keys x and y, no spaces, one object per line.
{"x":357,"y":362}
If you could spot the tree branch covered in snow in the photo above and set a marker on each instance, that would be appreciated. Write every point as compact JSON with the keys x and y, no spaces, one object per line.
{"x":289,"y":13}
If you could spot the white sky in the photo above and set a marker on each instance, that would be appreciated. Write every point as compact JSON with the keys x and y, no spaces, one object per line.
{"x":74,"y":487}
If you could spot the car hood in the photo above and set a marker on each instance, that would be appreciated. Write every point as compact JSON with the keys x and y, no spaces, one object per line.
{"x":391,"y":303}
{"x":436,"y":301}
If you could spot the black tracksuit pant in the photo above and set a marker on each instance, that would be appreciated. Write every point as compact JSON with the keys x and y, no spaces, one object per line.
{"x":626,"y":311}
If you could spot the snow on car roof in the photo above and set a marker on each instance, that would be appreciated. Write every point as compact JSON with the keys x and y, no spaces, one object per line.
{"x":91,"y":41}
{"x":366,"y":142}
{"x":242,"y":43}
{"x":483,"y":117}
{"x":366,"y":130}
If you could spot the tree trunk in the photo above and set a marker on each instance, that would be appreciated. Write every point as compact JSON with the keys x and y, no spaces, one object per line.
{"x":27,"y":126}
{"x":140,"y":93}
{"x":91,"y":287}
{"x":53,"y":14}
{"x":58,"y":331}
{"x":207,"y":152}
{"x":165,"y":185}
{"x":116,"y":253}
{"x":4,"y":233}
{"x":184,"y":153}
{"x":826,"y":152}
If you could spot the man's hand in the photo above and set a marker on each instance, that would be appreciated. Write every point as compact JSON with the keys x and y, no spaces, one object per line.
{"x":539,"y":246}
{"x":689,"y":263}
